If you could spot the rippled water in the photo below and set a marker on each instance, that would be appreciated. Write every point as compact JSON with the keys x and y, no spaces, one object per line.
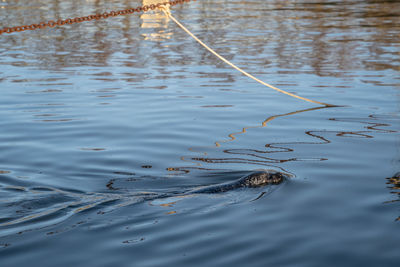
{"x":100,"y":118}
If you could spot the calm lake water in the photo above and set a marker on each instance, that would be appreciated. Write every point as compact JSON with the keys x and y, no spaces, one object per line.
{"x":100,"y":118}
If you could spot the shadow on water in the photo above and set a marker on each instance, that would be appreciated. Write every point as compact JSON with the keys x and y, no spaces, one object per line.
{"x":250,"y":152}
{"x":372,"y":124}
{"x":285,"y":147}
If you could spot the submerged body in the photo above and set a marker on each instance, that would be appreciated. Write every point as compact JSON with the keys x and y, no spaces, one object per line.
{"x":255,"y":179}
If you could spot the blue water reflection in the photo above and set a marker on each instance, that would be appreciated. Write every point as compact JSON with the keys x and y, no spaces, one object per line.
{"x":99,"y":118}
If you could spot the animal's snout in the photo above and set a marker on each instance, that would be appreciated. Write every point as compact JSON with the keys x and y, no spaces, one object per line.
{"x":277,"y":177}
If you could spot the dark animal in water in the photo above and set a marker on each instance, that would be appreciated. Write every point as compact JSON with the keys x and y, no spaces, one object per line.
{"x":255,"y":179}
{"x":71,"y":199}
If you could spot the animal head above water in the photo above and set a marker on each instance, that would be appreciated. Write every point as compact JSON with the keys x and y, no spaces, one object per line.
{"x":261,"y":178}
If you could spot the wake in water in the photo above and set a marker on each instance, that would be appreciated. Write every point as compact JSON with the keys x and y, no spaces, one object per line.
{"x":27,"y":207}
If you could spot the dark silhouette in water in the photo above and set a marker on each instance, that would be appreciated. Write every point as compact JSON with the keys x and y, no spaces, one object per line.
{"x":38,"y":197}
{"x":255,"y":179}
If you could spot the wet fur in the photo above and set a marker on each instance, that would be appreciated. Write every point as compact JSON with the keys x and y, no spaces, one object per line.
{"x":255,"y":179}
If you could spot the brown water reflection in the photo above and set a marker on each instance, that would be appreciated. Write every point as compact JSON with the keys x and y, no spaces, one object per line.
{"x":327,"y":33}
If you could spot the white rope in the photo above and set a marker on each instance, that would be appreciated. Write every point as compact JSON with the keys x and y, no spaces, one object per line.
{"x":166,"y":11}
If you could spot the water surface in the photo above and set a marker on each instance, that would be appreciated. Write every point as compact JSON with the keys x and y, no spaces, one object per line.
{"x":99,"y":117}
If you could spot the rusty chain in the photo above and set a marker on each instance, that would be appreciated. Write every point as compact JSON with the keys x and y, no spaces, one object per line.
{"x":60,"y":22}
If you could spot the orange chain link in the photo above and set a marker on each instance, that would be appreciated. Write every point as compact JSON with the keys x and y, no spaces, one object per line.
{"x":60,"y":22}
